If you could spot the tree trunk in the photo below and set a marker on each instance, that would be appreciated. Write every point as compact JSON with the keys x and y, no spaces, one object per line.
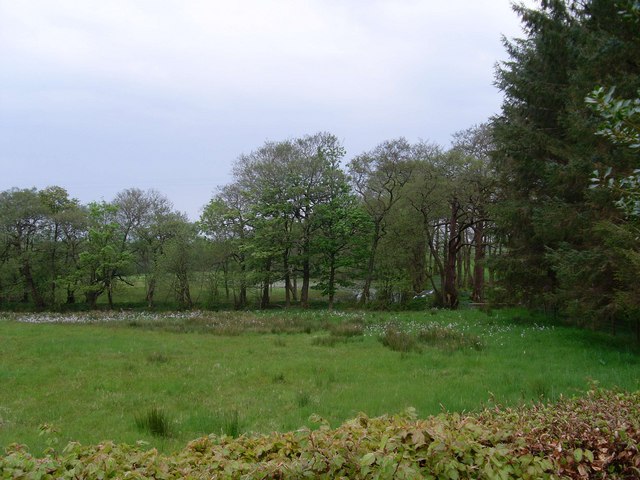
{"x":467,"y":267}
{"x":31,"y":286}
{"x":460,"y":259}
{"x":306,"y":280}
{"x":54,"y":270}
{"x":151,"y":289}
{"x":294,"y":288}
{"x":242,"y":300}
{"x":332,"y":280}
{"x":92,"y":300}
{"x":287,"y":279}
{"x":450,"y":292}
{"x":366,"y":289}
{"x":186,"y":292}
{"x":478,"y":266}
{"x":225,"y":273}
{"x":71,"y":296}
{"x":417,"y":267}
{"x":264,"y":301}
{"x":110,"y":295}
{"x":306,"y":273}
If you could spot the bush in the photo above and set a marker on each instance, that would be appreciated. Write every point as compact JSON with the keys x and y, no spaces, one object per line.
{"x":597,"y":436}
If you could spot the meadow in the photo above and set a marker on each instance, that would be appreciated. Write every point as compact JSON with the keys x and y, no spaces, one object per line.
{"x":168,"y":378}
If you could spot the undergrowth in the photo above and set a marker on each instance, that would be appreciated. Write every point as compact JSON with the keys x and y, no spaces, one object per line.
{"x":595,"y":436}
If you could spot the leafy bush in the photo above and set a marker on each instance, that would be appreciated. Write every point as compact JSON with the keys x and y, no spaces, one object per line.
{"x":597,"y":436}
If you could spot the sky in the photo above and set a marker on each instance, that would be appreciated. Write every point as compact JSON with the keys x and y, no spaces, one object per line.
{"x":98,"y":96}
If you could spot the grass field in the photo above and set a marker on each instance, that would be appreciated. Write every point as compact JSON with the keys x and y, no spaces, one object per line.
{"x":167,"y":379}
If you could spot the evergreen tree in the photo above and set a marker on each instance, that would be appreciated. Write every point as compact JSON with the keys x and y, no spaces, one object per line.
{"x":546,"y":150}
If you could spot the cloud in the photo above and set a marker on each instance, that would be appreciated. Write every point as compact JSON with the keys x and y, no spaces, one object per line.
{"x":214,"y":50}
{"x":144,"y":85}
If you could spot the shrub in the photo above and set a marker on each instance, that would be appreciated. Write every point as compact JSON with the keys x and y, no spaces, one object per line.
{"x":597,"y":436}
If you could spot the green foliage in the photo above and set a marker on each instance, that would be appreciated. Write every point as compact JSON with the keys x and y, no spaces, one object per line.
{"x":621,"y":125}
{"x":620,"y":117}
{"x":577,"y":438}
{"x":547,"y":150}
{"x":104,"y":260}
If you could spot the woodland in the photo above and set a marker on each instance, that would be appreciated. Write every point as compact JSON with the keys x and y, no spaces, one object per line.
{"x":538,"y":206}
{"x":473,"y":287}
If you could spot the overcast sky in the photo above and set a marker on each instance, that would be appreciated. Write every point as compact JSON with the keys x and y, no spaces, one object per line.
{"x":101,"y":95}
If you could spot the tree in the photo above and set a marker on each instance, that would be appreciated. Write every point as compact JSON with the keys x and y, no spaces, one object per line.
{"x":61,"y":233}
{"x":266,"y":176}
{"x":621,"y":125}
{"x":146,"y":222}
{"x":341,"y":244}
{"x":555,"y":254}
{"x":476,"y":143}
{"x":282,"y":184}
{"x":103,"y":260}
{"x":22,"y":216}
{"x":226,"y":220}
{"x":378,"y":177}
{"x":318,"y":181}
{"x":72,"y":225}
{"x":178,"y":257}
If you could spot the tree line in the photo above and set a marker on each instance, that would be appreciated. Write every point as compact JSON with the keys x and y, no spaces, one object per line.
{"x":293,"y":216}
{"x":538,"y":206}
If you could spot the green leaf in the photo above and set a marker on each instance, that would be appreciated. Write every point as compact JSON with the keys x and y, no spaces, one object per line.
{"x":589,"y":455}
{"x":368,"y":459}
{"x":577,"y":454}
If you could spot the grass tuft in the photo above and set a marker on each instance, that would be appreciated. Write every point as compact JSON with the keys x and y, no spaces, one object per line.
{"x":157,"y":357}
{"x":303,"y":399}
{"x":449,"y":338}
{"x":154,"y":421}
{"x":399,"y":341}
{"x":231,"y":424}
{"x":346,"y":329}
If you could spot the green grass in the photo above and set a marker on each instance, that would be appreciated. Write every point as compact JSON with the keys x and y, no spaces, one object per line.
{"x":261,"y":372}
